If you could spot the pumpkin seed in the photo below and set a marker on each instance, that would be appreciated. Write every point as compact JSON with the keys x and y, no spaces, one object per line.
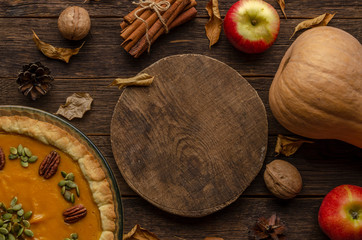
{"x":17,"y":207}
{"x":1,"y":222}
{"x":20,"y":150}
{"x":64,"y":239}
{"x":24,"y":159}
{"x":13,"y":201}
{"x":33,"y":159}
{"x":16,"y":220}
{"x":24,"y":164}
{"x":72,"y":198}
{"x":2,"y":237}
{"x":64,"y":174}
{"x":11,"y":237}
{"x":27,"y":215}
{"x":4,"y":231}
{"x":67,"y":196}
{"x":26,"y":223}
{"x":28,"y":233}
{"x":77,"y":191}
{"x":20,"y":212}
{"x":63,"y":190}
{"x":15,"y":227}
{"x":62,"y":183}
{"x":12,"y":156}
{"x":74,"y":236}
{"x":7,"y":216}
{"x":70,"y":184}
{"x":27,"y":152}
{"x":21,"y":230}
{"x":69,"y":176}
{"x":13,"y":151}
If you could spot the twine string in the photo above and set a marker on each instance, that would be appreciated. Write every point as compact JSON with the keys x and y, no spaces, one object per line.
{"x":158,"y":7}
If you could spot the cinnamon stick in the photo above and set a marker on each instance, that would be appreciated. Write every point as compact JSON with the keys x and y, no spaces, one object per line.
{"x":158,"y":28}
{"x":182,"y":18}
{"x":140,"y":31}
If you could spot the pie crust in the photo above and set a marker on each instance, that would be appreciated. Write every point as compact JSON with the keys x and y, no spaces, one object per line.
{"x":50,"y":134}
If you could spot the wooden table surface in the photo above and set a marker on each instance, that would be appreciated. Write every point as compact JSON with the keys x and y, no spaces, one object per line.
{"x":323,"y":165}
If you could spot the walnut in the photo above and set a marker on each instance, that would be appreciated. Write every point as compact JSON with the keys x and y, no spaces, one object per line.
{"x":74,"y":23}
{"x":282,"y":179}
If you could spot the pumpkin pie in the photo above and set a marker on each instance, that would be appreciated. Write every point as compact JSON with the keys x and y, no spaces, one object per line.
{"x":43,"y":194}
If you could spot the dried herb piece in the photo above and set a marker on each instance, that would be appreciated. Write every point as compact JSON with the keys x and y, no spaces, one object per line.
{"x":282,"y":7}
{"x":321,"y":20}
{"x":75,"y":106}
{"x":213,"y":26}
{"x":271,"y":228}
{"x":143,"y":79}
{"x":139,"y":233}
{"x":50,"y":51}
{"x":288,"y":145}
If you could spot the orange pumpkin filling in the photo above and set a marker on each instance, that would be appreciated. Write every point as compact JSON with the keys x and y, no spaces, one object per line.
{"x":43,"y":196}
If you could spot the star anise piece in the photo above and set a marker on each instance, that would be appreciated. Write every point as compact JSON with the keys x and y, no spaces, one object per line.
{"x":269,"y":229}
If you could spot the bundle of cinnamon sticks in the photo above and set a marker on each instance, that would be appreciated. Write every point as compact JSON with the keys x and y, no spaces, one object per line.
{"x":134,"y":30}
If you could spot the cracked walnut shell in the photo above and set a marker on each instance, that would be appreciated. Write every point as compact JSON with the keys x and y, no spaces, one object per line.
{"x":283,"y":179}
{"x":74,"y":23}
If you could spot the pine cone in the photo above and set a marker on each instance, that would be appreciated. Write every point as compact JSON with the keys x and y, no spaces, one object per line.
{"x":35,"y":80}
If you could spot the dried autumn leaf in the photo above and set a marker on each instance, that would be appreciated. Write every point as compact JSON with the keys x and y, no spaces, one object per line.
{"x":282,"y":7}
{"x":142,"y":79}
{"x":321,"y":20}
{"x":288,"y":145}
{"x":50,"y":51}
{"x":75,"y":106}
{"x":213,"y":26}
{"x":139,"y":233}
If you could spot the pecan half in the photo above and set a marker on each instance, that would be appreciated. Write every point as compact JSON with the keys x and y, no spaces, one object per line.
{"x":2,"y":159}
{"x":74,"y":214}
{"x":49,"y":165}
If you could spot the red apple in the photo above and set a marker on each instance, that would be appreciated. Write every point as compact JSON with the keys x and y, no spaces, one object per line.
{"x":340,"y":215}
{"x":251,"y":25}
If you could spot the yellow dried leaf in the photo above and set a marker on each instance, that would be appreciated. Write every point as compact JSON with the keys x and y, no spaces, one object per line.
{"x":75,"y":106}
{"x":139,"y":233}
{"x":213,"y":26}
{"x":142,"y":79}
{"x":282,"y":7}
{"x":50,"y":51}
{"x":321,"y":20}
{"x":288,"y":145}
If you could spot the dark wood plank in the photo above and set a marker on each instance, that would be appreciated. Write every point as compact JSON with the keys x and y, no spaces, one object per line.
{"x":200,"y":133}
{"x":323,"y":166}
{"x":118,"y":8}
{"x":233,"y":222}
{"x":102,"y":55}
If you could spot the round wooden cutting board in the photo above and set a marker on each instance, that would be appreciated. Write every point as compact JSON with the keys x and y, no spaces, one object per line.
{"x":194,"y":140}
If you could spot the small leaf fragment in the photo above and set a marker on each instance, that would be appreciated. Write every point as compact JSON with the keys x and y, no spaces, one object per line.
{"x":282,"y":7}
{"x":288,"y":145}
{"x":142,"y":79}
{"x":213,"y":26}
{"x":139,"y":233}
{"x":321,"y":20}
{"x":50,"y":51}
{"x":75,"y":106}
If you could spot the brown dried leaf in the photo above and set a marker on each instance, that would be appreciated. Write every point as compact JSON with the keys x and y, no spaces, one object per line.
{"x":142,"y":79}
{"x":213,"y":26}
{"x":50,"y":51}
{"x":321,"y":20}
{"x":139,"y":233}
{"x":288,"y":145}
{"x":282,"y":7}
{"x":75,"y":106}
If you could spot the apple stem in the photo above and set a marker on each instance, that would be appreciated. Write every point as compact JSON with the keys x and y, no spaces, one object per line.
{"x":254,"y":22}
{"x":354,"y":214}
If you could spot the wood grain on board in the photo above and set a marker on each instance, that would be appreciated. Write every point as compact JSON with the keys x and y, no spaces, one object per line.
{"x":194,"y":140}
